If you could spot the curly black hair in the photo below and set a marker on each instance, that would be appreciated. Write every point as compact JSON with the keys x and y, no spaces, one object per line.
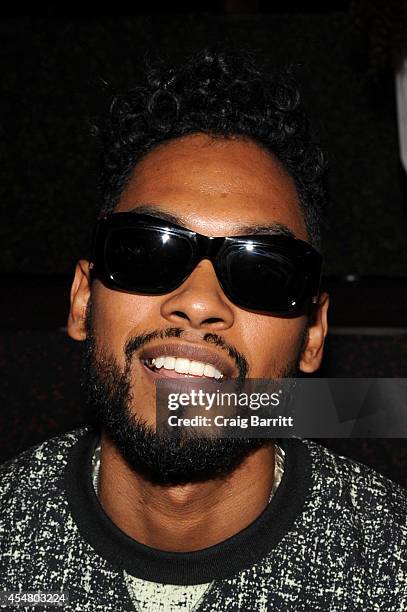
{"x":221,"y":94}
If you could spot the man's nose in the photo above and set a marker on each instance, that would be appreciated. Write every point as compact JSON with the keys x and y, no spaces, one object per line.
{"x":199,"y":301}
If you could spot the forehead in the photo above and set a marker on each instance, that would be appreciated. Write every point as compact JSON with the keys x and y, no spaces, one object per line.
{"x":215,"y":186}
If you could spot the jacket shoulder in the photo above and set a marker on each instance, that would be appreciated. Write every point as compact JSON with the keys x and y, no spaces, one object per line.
{"x":372,"y":499}
{"x":38,"y":468}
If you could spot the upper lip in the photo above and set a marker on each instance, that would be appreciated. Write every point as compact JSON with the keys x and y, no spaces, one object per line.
{"x":191,"y":352}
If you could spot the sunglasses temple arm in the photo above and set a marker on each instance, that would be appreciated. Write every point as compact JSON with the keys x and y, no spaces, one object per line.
{"x":93,"y":248}
{"x":93,"y":243}
{"x":318,"y":282}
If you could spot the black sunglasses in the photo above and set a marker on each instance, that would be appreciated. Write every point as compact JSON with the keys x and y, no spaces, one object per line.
{"x":274,"y":274}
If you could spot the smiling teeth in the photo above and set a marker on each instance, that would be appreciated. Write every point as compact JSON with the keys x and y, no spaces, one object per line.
{"x":185,"y":366}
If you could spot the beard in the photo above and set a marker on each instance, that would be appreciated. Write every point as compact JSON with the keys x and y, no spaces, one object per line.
{"x":164,"y":458}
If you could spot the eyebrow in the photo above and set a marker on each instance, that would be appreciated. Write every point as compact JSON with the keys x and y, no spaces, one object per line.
{"x":242,"y":230}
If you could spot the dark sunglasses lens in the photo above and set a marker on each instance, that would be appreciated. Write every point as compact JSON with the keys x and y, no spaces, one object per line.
{"x":146,"y":260}
{"x":264,"y":280}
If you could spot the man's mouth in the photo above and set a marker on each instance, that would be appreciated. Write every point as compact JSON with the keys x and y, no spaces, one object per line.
{"x":183,"y":366}
{"x":185,"y":359}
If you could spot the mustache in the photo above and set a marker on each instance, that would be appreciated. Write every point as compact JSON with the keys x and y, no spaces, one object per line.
{"x":136,"y":343}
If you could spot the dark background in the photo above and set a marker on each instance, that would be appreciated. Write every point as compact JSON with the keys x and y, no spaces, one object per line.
{"x":53,"y":71}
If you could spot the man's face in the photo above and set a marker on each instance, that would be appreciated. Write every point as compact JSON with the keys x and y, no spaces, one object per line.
{"x":216,"y":187}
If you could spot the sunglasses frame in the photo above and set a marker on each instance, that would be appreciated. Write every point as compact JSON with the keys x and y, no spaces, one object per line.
{"x":203,"y":247}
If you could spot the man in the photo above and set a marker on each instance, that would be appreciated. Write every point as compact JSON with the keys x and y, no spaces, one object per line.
{"x":121,"y":517}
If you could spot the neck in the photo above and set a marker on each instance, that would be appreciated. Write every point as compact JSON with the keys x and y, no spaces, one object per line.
{"x":189,"y":517}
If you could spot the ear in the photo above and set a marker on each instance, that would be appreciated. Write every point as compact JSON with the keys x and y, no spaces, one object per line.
{"x":314,"y":346}
{"x":80,"y":294}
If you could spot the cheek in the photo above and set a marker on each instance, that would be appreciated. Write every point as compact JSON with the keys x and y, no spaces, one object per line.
{"x":117,"y":316}
{"x":270,"y":343}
